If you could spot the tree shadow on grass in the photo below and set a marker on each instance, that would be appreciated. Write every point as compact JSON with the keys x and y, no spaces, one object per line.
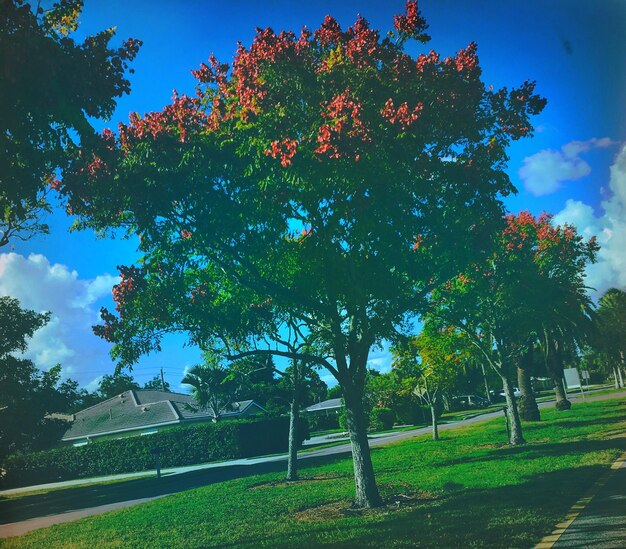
{"x":75,"y":498}
{"x":509,"y":516}
{"x":541,"y":450}
{"x":597,"y":421}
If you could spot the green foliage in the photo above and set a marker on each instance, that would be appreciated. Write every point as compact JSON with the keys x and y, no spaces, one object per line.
{"x":327,"y":183}
{"x":17,"y":325}
{"x":323,"y":422}
{"x":334,"y":392}
{"x":427,"y":365}
{"x":610,"y":329}
{"x":50,"y":87}
{"x":112,"y":385}
{"x":322,"y":237}
{"x":411,"y":413}
{"x":382,"y":419}
{"x":27,"y":394}
{"x":156,"y":384}
{"x":256,"y":380}
{"x":184,"y":445}
{"x":531,"y":289}
{"x":212,"y":386}
{"x":343,"y":420}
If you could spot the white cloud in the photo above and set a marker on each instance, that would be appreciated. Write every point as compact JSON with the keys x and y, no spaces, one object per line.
{"x":609,"y":228}
{"x":380,"y":359}
{"x":73,"y":302}
{"x":545,"y":171}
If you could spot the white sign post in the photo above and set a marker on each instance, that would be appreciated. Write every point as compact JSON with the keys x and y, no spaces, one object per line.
{"x":585,"y":375}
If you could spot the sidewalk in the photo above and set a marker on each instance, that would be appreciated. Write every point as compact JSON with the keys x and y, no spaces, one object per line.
{"x":598,"y":519}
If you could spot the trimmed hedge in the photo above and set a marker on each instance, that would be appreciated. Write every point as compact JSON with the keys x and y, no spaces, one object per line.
{"x":322,"y":422}
{"x":184,"y":445}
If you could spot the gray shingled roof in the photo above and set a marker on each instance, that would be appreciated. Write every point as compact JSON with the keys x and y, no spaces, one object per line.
{"x":331,"y":404}
{"x":142,"y":409}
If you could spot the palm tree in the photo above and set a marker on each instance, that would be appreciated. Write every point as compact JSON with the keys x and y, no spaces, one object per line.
{"x":212,"y":386}
{"x":566,"y":325}
{"x":611,"y":331}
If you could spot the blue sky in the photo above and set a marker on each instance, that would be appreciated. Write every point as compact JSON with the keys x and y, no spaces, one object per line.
{"x":575,"y":166}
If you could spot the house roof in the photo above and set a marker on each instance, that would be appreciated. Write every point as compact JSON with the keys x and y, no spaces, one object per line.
{"x":331,"y":404}
{"x":143,"y":409}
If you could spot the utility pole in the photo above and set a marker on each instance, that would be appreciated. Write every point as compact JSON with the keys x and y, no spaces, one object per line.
{"x":162,"y":380}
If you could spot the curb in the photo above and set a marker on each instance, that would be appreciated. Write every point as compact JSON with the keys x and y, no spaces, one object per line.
{"x":547,"y":542}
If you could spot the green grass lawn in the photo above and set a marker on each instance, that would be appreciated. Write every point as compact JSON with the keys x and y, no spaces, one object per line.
{"x":467,"y":490}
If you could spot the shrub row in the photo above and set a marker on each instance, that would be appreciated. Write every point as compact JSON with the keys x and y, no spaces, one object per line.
{"x":184,"y":445}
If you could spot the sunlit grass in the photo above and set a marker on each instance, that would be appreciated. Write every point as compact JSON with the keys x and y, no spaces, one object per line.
{"x":469,"y":489}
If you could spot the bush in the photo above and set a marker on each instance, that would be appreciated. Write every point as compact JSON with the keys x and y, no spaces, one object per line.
{"x":321,"y":422}
{"x":412,"y":414}
{"x":343,"y":420}
{"x":184,"y":445}
{"x":382,"y":419}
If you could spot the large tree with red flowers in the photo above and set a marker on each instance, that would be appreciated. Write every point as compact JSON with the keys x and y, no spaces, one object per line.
{"x":324,"y":182}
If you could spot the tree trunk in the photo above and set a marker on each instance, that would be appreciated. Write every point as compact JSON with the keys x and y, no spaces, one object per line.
{"x":433,"y":415}
{"x":366,"y":490}
{"x":292,"y":460}
{"x":515,"y":434}
{"x":294,"y":421}
{"x":619,"y":371}
{"x":527,"y":405}
{"x":617,"y":385}
{"x":556,"y":369}
{"x":561,"y":397}
{"x":488,"y":394}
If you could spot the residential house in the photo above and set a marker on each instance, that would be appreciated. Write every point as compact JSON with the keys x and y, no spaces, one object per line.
{"x":137,"y":412}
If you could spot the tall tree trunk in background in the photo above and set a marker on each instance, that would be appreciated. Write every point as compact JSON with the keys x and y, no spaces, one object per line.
{"x":433,"y":415}
{"x":515,"y":433}
{"x":367,"y":494}
{"x":482,"y":366}
{"x":294,"y":422}
{"x":562,"y":403}
{"x":615,"y":376}
{"x":527,"y":405}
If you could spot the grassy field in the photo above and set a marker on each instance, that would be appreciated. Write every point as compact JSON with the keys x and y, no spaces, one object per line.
{"x":468,"y":490}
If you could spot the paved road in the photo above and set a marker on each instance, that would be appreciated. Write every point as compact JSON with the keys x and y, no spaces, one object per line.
{"x":29,"y":512}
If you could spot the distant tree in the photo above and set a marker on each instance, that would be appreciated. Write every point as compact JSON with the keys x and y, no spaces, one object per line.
{"x":113,"y":385}
{"x":256,"y":380}
{"x":334,"y":392}
{"x":610,"y":332}
{"x":28,"y":395}
{"x":561,"y":307}
{"x":530,"y":289}
{"x":212,"y":386}
{"x":156,"y":384}
{"x":428,"y":364}
{"x":50,"y":87}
